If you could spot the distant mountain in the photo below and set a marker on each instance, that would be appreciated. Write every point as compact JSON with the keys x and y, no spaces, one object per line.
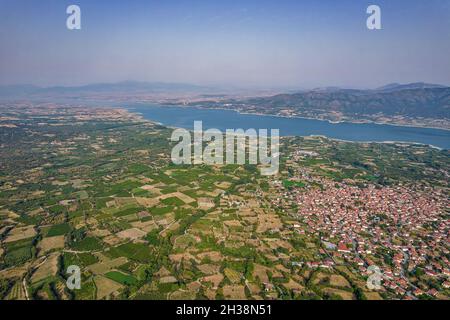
{"x":130,"y":86}
{"x":24,"y":91}
{"x":414,"y":100}
{"x":409,"y":86}
{"x":13,"y":90}
{"x":327,"y":89}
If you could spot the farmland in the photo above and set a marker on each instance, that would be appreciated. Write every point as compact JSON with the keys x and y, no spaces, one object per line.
{"x":95,"y":188}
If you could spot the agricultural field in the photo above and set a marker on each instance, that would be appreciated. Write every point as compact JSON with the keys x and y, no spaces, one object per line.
{"x":95,"y":188}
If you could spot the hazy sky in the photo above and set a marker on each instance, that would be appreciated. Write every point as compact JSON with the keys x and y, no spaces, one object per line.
{"x":302,"y":43}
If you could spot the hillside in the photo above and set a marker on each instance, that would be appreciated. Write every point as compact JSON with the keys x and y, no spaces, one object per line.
{"x":429,"y":102}
{"x":415,"y":104}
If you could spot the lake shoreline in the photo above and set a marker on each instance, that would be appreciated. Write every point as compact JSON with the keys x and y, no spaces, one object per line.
{"x":318,"y":119}
{"x":332,"y":136}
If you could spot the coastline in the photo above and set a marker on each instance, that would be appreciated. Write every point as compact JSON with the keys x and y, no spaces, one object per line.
{"x":406,"y":125}
{"x":141,"y":117}
{"x":325,"y":120}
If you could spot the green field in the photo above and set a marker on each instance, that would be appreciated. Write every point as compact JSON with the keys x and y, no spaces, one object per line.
{"x":58,"y":229}
{"x":173,"y":201}
{"x":121,"y":278}
{"x":290,"y":184}
{"x":87,"y":244}
{"x":134,"y":251}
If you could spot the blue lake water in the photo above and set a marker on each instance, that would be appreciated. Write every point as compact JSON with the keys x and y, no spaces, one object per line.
{"x":184,"y":117}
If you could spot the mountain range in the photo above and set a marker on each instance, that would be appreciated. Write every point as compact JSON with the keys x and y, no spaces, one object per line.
{"x":24,"y":91}
{"x":411,"y":100}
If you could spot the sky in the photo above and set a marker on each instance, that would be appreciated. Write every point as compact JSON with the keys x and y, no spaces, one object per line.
{"x":245,"y":43}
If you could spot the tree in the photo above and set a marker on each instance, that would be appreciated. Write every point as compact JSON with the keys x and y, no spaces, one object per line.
{"x":5,"y":286}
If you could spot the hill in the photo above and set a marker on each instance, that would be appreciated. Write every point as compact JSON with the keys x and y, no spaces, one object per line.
{"x":124,"y":87}
{"x":420,"y":102}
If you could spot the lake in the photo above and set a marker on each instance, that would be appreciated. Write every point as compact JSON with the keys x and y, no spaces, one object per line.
{"x":184,"y":117}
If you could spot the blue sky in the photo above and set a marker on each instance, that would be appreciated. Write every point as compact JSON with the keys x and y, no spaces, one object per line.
{"x":277,"y":43}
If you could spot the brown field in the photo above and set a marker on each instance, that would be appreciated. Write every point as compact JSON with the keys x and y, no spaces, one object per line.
{"x":124,"y":201}
{"x":147,"y":202}
{"x":182,"y":256}
{"x":223,"y":184}
{"x":51,"y":243}
{"x":268,"y":222}
{"x":17,"y":292}
{"x":16,"y":272}
{"x":106,"y":265}
{"x":274,"y":244}
{"x":132,"y":233}
{"x":165,"y":220}
{"x":38,"y":193}
{"x":344,"y":294}
{"x":92,"y":222}
{"x":372,"y":295}
{"x":185,"y":241}
{"x":185,"y":198}
{"x":145,"y":179}
{"x":105,"y":287}
{"x":60,"y":289}
{"x":162,"y":272}
{"x":234,"y":292}
{"x":111,"y":203}
{"x":47,"y":269}
{"x":20,"y":233}
{"x":143,"y":214}
{"x":100,"y":233}
{"x":292,"y":285}
{"x":215,"y":193}
{"x":210,"y":294}
{"x":151,"y":188}
{"x":250,"y":220}
{"x":232,"y":223}
{"x":9,"y":213}
{"x":193,"y":286}
{"x":282,"y":268}
{"x":247,"y":212}
{"x":319,"y":276}
{"x":260,"y":272}
{"x":215,"y":279}
{"x":213,"y":216}
{"x":181,"y":295}
{"x":254,"y":288}
{"x":346,"y":271}
{"x":130,"y":217}
{"x":145,"y":226}
{"x":253,"y":203}
{"x":339,"y":281}
{"x":205,"y":203}
{"x":168,"y":279}
{"x":233,"y":276}
{"x":112,"y":240}
{"x":171,"y":227}
{"x":208,"y":268}
{"x":205,"y":230}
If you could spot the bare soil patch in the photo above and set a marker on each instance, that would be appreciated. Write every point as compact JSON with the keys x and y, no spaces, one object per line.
{"x":20,"y":233}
